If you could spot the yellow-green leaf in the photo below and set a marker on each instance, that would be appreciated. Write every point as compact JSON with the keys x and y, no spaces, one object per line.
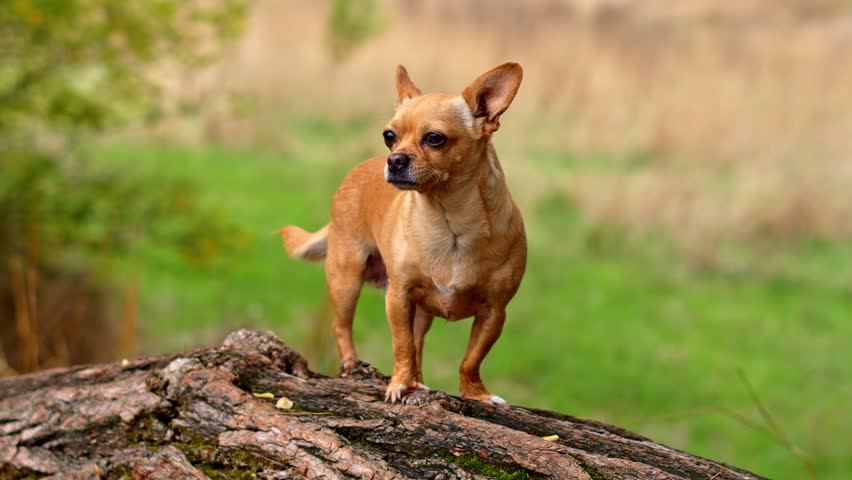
{"x":284,"y":403}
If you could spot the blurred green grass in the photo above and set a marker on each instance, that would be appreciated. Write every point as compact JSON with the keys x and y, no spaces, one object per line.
{"x":605,"y":325}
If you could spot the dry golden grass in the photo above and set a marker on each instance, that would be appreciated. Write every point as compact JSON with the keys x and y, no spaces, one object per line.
{"x":744,"y":109}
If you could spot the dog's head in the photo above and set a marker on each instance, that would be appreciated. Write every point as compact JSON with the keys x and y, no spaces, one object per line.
{"x":434,"y":137}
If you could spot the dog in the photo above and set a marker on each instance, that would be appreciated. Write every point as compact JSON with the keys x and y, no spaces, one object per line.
{"x":432,"y":222}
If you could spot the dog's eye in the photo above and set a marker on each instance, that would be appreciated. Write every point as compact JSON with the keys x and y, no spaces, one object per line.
{"x":434,"y":139}
{"x":390,"y":138}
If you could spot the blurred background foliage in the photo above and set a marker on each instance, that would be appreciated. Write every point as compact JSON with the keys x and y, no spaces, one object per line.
{"x":683,"y":169}
{"x":69,"y":71}
{"x":351,"y":23}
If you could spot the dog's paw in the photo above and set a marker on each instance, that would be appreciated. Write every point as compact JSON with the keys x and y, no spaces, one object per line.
{"x":396,"y":391}
{"x":489,"y":398}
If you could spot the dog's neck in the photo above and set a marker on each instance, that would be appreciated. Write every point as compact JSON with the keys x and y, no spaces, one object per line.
{"x":472,"y":207}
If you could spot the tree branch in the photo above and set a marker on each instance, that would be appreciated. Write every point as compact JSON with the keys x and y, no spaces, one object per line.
{"x":196,"y":415}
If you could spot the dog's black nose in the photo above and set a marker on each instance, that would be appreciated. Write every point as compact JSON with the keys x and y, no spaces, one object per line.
{"x":398,"y":161}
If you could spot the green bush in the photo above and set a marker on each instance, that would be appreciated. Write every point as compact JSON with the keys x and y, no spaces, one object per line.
{"x":70,"y":70}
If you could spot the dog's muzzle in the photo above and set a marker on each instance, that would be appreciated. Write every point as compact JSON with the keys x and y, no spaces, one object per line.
{"x":398,"y":172}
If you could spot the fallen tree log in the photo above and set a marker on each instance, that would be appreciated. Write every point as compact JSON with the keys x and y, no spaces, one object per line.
{"x":206,"y":414}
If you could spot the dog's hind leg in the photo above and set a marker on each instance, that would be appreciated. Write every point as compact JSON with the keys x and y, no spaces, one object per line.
{"x":487,"y":326}
{"x":344,"y":273}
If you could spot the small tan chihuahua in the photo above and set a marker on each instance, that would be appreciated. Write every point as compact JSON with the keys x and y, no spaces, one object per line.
{"x":433,"y":222}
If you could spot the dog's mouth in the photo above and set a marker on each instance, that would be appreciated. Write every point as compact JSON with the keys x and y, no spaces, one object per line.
{"x":401,"y":179}
{"x":402,"y":184}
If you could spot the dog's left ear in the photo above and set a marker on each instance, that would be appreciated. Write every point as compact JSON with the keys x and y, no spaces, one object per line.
{"x":405,"y":88}
{"x":491,"y":94}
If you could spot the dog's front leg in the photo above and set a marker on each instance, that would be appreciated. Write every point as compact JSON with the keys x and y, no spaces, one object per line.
{"x":487,"y":326}
{"x":422,"y":324}
{"x":400,"y":312}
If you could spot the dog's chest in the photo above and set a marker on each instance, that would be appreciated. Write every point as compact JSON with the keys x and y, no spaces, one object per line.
{"x":452,"y":295}
{"x":449,"y":249}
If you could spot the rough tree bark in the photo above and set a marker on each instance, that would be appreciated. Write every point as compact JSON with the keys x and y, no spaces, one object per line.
{"x":195,"y":415}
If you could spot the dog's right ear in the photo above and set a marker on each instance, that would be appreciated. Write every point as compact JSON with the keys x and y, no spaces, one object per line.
{"x":405,"y":88}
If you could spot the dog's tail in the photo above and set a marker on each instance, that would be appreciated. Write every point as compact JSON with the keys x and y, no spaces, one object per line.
{"x":305,"y":245}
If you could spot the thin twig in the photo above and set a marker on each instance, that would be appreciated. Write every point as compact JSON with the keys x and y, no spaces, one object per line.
{"x":771,"y":428}
{"x":296,"y":414}
{"x":776,"y":427}
{"x":717,"y":409}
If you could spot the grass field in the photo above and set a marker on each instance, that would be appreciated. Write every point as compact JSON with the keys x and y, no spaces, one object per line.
{"x":608,"y":324}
